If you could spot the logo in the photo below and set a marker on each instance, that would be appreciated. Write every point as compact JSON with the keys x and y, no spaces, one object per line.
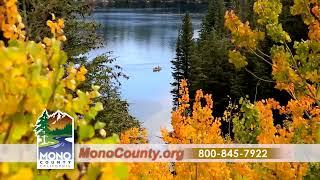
{"x":55,"y":141}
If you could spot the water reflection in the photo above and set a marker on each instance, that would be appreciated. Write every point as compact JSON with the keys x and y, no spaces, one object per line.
{"x":142,"y":39}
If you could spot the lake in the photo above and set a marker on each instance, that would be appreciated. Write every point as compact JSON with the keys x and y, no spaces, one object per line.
{"x":142,"y":39}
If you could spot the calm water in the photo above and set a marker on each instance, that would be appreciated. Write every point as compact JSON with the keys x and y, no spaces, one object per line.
{"x":142,"y":39}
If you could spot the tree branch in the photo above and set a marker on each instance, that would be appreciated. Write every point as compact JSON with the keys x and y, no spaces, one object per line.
{"x":263,"y":53}
{"x":265,"y":80}
{"x":261,"y":57}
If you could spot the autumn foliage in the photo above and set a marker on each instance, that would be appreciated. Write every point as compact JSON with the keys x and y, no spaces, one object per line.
{"x":200,"y":127}
{"x":35,"y":76}
{"x":295,"y":70}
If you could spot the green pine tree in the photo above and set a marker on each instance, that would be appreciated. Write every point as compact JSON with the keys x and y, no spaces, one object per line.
{"x":187,"y":45}
{"x":211,"y":70}
{"x":41,"y":128}
{"x":182,"y":62}
{"x":176,"y":73}
{"x":234,"y":5}
{"x":214,"y":19}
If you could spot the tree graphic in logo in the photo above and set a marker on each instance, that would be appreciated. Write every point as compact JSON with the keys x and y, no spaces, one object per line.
{"x":41,"y":128}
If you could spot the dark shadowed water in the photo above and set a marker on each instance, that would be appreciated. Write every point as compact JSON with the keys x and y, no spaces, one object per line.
{"x":142,"y":39}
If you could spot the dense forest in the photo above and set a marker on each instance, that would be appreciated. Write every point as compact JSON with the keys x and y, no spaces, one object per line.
{"x":252,"y":77}
{"x":204,"y":62}
{"x":83,"y":37}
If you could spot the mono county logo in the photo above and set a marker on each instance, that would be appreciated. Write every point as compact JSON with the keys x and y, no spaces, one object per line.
{"x":55,"y":141}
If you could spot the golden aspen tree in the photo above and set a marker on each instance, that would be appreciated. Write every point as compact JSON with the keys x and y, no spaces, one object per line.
{"x":35,"y":76}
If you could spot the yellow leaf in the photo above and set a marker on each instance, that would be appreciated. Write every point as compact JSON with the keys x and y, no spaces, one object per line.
{"x":4,"y":168}
{"x":23,"y":173}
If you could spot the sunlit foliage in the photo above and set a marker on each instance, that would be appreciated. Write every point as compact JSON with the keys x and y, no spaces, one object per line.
{"x":294,"y":71}
{"x":34,"y":76}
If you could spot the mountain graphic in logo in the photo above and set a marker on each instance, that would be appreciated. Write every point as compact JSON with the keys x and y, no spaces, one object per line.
{"x":55,"y":141}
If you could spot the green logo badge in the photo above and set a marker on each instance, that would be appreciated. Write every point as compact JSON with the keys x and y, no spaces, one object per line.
{"x":55,"y":141}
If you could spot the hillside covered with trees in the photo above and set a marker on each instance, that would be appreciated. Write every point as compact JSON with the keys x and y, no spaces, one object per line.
{"x":82,"y":37}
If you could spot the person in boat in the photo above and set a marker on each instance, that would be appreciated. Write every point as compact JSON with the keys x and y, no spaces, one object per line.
{"x":157,"y":69}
